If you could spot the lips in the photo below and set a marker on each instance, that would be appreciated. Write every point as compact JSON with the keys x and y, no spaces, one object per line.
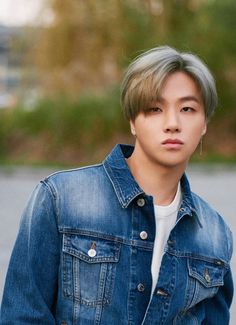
{"x":172,"y":141}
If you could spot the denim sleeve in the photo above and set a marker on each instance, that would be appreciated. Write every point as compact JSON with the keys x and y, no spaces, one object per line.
{"x":217,"y":308}
{"x":31,"y":283}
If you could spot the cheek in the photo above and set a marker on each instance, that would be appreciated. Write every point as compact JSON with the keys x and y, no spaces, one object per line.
{"x":195,"y":136}
{"x":197,"y":130}
{"x":145,"y":129}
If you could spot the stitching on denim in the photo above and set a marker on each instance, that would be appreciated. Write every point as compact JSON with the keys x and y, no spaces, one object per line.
{"x":52,"y":192}
{"x":105,"y":286}
{"x":124,"y":201}
{"x":212,"y":260}
{"x":128,"y":242}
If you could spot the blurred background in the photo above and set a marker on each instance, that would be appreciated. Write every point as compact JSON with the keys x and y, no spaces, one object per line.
{"x":61,"y":64}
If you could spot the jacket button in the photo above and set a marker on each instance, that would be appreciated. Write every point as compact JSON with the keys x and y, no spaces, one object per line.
{"x":207,"y":278}
{"x":92,"y":252}
{"x":161,"y":292}
{"x":141,"y":202}
{"x":141,"y":287}
{"x":143,"y":235}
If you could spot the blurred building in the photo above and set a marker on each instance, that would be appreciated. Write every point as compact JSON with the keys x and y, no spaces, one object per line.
{"x":10,"y":66}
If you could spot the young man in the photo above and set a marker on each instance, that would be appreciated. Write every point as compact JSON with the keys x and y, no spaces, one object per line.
{"x":126,"y":241}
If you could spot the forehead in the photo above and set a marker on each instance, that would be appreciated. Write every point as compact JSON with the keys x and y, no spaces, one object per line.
{"x":179,"y":85}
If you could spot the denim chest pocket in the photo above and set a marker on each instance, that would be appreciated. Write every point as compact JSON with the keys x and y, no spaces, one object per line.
{"x":88,"y":269}
{"x":204,"y":280}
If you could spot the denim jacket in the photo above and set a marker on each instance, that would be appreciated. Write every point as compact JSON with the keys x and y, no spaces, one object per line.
{"x":79,"y":258}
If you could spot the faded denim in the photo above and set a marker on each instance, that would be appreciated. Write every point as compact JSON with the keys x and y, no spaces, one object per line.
{"x":79,"y":258}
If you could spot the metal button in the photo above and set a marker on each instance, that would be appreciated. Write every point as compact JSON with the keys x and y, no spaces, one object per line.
{"x":207,"y":276}
{"x":141,"y":202}
{"x":92,"y":252}
{"x":143,"y":235}
{"x":170,"y":242}
{"x":141,"y":287}
{"x":182,"y":209}
{"x":162,"y":292}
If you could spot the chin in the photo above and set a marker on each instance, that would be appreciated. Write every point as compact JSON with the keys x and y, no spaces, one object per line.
{"x":173,"y":162}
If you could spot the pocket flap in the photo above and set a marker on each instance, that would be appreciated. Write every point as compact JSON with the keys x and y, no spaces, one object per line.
{"x":91,"y":249}
{"x":209,"y":274}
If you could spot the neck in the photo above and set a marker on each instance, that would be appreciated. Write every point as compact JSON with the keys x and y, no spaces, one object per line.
{"x":159,"y":181}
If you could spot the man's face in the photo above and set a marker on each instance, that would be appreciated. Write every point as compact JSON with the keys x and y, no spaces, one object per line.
{"x":169,"y":132}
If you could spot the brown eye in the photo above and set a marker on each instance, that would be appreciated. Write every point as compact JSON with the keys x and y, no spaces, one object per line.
{"x":154,"y":109}
{"x":187,"y":109}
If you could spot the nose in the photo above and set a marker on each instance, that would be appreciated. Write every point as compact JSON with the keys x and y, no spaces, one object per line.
{"x":172,"y":122}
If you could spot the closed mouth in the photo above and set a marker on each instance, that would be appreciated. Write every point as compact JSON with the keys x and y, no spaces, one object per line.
{"x":172,"y":141}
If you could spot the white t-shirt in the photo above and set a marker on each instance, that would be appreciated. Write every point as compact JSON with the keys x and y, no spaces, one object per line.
{"x":165,"y":217}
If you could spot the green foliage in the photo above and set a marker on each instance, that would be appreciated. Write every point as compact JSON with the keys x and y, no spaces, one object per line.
{"x":90,"y":42}
{"x":84,"y":124}
{"x":83,"y":52}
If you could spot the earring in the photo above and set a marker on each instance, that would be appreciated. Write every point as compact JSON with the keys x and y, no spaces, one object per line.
{"x":200,"y":147}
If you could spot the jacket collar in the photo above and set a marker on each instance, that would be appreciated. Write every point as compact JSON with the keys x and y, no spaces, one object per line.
{"x":117,"y":169}
{"x":125,"y":186}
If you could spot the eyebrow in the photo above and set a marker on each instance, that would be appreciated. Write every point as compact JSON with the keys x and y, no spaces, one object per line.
{"x":181,"y":99}
{"x":189,"y":98}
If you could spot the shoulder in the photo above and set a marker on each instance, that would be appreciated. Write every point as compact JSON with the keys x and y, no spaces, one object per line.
{"x":75,"y":175}
{"x":206,"y":212}
{"x":78,"y":181}
{"x":213,"y":223}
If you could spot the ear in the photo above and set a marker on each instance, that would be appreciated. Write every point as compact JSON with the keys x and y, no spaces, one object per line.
{"x":132,"y":128}
{"x":204,"y":129}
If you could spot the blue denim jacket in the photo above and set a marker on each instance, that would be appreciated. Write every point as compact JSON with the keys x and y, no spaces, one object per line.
{"x":79,"y":258}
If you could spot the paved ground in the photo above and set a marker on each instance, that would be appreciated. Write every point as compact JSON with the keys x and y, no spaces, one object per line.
{"x":217,"y":185}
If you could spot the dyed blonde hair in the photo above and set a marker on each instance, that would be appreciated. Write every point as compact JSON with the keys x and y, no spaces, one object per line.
{"x":145,"y":75}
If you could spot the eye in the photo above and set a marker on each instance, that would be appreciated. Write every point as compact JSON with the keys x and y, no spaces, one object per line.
{"x":188,"y":109}
{"x":154,"y":110}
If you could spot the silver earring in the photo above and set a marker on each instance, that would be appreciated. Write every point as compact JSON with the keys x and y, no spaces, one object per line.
{"x":200,"y":147}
